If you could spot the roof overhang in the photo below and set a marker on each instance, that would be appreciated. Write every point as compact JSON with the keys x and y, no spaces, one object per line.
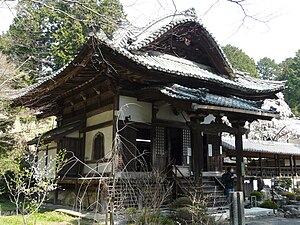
{"x":57,"y":133}
{"x":265,"y":148}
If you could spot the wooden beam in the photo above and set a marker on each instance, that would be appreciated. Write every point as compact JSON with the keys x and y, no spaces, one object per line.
{"x":197,"y":150}
{"x":215,"y":128}
{"x":291,"y":165}
{"x":257,"y":114}
{"x":260,"y":165}
{"x":278,"y":164}
{"x":295,"y":166}
{"x":239,"y":158}
{"x":97,"y":126}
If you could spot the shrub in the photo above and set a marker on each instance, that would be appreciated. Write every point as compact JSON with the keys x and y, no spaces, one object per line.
{"x":289,"y":195}
{"x":130,"y":214}
{"x":181,"y":202}
{"x":166,"y":221}
{"x":298,"y":198}
{"x":258,"y":194}
{"x":269,"y":204}
{"x":155,"y":219}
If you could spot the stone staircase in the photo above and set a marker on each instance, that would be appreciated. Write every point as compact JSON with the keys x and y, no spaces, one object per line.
{"x":214,"y":193}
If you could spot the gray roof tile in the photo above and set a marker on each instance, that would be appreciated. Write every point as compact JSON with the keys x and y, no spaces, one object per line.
{"x":272,"y":147}
{"x":204,"y":96}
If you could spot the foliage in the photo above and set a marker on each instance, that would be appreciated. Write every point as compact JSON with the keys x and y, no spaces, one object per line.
{"x":6,"y":205}
{"x":298,"y":198}
{"x":240,"y":60}
{"x":269,"y":204}
{"x":7,"y":116}
{"x":257,"y":194}
{"x":192,"y":210}
{"x":45,"y":35}
{"x":267,"y":68}
{"x":29,"y":186}
{"x":155,"y":219}
{"x":290,"y":71}
{"x":285,"y":182}
{"x":289,"y":195}
{"x":181,"y":202}
{"x":134,"y":217}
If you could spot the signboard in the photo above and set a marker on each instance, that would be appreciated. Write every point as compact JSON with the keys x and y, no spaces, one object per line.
{"x":210,"y":150}
{"x":243,"y":169}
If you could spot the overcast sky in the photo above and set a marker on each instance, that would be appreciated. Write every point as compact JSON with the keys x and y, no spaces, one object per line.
{"x":278,"y":38}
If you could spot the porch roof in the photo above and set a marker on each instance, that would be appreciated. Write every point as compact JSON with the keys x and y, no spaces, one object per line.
{"x":57,"y":132}
{"x":268,"y":147}
{"x":204,"y":96}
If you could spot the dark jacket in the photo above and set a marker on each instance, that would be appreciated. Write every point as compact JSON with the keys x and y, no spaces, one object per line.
{"x":227,"y":180}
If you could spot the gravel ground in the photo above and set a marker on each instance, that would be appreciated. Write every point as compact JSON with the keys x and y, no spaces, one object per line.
{"x":273,"y":221}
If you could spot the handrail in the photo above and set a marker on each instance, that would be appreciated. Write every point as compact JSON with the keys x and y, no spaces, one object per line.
{"x":219,"y":182}
{"x":176,"y":180}
{"x":177,"y":169}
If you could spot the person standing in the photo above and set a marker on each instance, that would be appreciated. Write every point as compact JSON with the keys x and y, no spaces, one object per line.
{"x":227,"y":180}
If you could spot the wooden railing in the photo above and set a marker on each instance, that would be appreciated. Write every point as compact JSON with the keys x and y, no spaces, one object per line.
{"x":267,"y":171}
{"x":177,"y":175}
{"x":216,"y":179}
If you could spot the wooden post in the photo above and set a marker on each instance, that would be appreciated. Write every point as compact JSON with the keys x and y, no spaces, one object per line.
{"x":197,"y":150}
{"x":239,"y":159}
{"x":291,"y":165}
{"x":278,"y":164}
{"x":260,"y":165}
{"x":295,"y":166}
{"x":275,"y":165}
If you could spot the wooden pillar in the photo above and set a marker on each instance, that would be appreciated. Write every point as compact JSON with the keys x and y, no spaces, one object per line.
{"x":239,"y":159}
{"x":278,"y":164}
{"x":295,"y":166}
{"x":275,"y":166}
{"x":197,"y":150}
{"x":291,"y":165}
{"x":260,"y":165}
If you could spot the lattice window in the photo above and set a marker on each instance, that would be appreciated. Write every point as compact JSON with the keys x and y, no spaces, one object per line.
{"x":98,"y":147}
{"x":186,"y":144}
{"x":160,"y":140}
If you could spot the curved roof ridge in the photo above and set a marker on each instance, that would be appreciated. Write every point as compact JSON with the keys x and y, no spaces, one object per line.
{"x":158,"y":27}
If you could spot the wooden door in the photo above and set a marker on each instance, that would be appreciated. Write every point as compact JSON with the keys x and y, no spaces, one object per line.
{"x":129,"y":150}
{"x":213,"y":156}
{"x":73,"y":147}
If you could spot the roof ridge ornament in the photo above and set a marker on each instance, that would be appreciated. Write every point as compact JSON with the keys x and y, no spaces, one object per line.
{"x":190,"y":12}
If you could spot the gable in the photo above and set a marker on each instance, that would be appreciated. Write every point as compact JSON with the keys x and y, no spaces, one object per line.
{"x":191,"y":41}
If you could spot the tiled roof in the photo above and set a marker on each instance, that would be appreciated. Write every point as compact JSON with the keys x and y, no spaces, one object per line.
{"x":202,"y":95}
{"x":129,"y":40}
{"x":63,"y":130}
{"x":264,"y":146}
{"x":182,"y":67}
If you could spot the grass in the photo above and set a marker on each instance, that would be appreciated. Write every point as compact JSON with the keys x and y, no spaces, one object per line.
{"x":46,"y":218}
{"x":7,"y":205}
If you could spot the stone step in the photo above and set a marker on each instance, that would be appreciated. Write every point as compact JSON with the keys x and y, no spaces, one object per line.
{"x":218,"y":192}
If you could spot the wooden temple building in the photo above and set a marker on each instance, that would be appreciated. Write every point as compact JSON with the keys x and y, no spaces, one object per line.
{"x":155,"y":97}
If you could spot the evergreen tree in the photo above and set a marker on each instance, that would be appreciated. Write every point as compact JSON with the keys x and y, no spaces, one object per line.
{"x":267,"y":68}
{"x":290,"y":71}
{"x":7,"y":114}
{"x":240,"y":60}
{"x":45,"y":35}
